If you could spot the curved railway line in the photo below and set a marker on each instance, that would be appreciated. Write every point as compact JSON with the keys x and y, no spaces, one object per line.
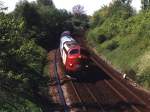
{"x":99,"y":89}
{"x":79,"y":97}
{"x":119,"y":86}
{"x":88,"y":101}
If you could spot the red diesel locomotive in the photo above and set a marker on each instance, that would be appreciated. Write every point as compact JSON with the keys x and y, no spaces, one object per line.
{"x":74,"y":57}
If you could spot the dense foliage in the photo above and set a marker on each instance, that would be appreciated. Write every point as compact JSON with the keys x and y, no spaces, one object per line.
{"x":20,"y":67}
{"x":45,"y":23}
{"x":123,"y":37}
{"x":145,"y":4}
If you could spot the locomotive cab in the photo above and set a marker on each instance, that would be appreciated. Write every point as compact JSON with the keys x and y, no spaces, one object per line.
{"x":77,"y":59}
{"x":74,"y":57}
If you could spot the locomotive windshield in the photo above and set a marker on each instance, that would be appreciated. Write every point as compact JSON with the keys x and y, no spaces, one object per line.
{"x":74,"y":51}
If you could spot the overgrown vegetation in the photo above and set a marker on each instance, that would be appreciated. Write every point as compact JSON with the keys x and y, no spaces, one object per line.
{"x":20,"y":67}
{"x":124,"y":38}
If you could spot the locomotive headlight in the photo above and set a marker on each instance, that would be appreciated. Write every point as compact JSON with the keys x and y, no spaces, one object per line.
{"x":71,"y":64}
{"x":86,"y":66}
{"x":80,"y":56}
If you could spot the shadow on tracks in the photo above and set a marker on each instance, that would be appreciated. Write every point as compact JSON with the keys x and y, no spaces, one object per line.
{"x":87,"y":105}
{"x":118,"y":107}
{"x":92,"y":75}
{"x":121,"y":106}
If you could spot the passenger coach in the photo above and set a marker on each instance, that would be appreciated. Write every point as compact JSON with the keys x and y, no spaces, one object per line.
{"x":74,"y":57}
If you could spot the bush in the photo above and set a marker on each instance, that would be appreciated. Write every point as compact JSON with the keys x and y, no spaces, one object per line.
{"x":101,"y":38}
{"x":113,"y":45}
{"x":131,"y":73}
{"x":144,"y":80}
{"x":21,"y":68}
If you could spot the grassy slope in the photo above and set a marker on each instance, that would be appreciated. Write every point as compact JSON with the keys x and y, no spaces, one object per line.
{"x":131,"y":53}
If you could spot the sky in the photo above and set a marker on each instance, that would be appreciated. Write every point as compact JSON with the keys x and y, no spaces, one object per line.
{"x":89,"y":5}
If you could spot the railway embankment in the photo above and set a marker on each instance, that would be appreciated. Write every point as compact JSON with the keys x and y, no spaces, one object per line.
{"x":124,"y":42}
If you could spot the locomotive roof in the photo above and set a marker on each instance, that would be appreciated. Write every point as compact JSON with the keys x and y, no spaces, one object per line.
{"x":66,"y":38}
{"x":69,"y":42}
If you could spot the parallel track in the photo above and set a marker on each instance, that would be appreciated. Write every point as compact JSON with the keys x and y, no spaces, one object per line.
{"x":60,"y":91}
{"x":121,"y":96}
{"x":78,"y":96}
{"x":92,"y":95}
{"x":118,"y":83}
{"x":82,"y":96}
{"x":101,"y":109}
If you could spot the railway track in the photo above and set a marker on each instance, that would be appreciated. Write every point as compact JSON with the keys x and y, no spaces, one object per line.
{"x":85,"y":100}
{"x":79,"y":97}
{"x":97,"y":91}
{"x":119,"y":88}
{"x":130,"y":95}
{"x":103,"y":98}
{"x":58,"y":85}
{"x":122,"y":97}
{"x":101,"y":109}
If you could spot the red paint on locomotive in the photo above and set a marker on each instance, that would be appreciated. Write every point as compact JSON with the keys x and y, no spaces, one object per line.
{"x":74,"y":56}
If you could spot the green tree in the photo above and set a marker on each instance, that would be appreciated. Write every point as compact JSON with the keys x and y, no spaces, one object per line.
{"x":145,"y":4}
{"x":99,"y":16}
{"x":43,"y":22}
{"x":20,"y":68}
{"x":118,"y":8}
{"x":45,"y":2}
{"x":28,"y":11}
{"x":2,"y":7}
{"x":121,"y":8}
{"x":80,"y":20}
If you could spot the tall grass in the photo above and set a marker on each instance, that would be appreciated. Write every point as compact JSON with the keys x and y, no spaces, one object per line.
{"x":127,"y":44}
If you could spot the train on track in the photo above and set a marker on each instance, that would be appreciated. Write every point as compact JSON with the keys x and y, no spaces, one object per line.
{"x":74,"y":56}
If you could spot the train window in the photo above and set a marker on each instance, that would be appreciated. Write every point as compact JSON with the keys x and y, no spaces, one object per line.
{"x":71,"y":44}
{"x":74,"y":51}
{"x":84,"y":52}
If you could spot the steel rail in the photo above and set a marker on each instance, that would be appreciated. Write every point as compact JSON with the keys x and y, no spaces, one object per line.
{"x":79,"y":98}
{"x":109,"y":70}
{"x":60,"y":91}
{"x":119,"y":83}
{"x":103,"y":67}
{"x":103,"y":64}
{"x":94,"y":98}
{"x":121,"y":96}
